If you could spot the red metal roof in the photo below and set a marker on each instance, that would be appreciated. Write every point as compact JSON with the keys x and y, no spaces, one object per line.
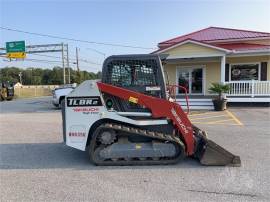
{"x":192,"y":41}
{"x":214,"y":34}
{"x":243,"y":46}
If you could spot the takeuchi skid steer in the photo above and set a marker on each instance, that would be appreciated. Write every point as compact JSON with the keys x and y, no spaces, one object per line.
{"x":128,"y":118}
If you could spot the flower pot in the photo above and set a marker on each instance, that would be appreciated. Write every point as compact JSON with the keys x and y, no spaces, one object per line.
{"x":220,"y":105}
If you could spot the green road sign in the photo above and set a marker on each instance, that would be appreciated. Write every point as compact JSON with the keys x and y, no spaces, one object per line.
{"x":15,"y":46}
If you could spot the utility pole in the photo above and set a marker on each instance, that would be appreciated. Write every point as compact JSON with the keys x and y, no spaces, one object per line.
{"x":68,"y":65}
{"x":20,"y":75}
{"x":32,"y":76}
{"x":46,"y":48}
{"x":63,"y":63}
{"x":77,"y":62}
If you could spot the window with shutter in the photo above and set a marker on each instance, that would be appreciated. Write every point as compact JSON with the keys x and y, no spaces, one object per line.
{"x":263,"y":71}
{"x":227,"y":72}
{"x":244,"y":72}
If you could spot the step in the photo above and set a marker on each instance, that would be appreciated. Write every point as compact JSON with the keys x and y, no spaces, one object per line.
{"x":248,"y":99}
{"x":200,"y":103}
{"x":196,"y":103}
{"x":195,"y":100}
{"x":192,"y":102}
{"x":198,"y":107}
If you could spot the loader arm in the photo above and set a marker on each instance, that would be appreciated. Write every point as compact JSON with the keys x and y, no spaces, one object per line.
{"x":160,"y":108}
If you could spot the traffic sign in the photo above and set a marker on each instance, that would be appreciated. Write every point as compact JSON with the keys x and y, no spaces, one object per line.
{"x":15,"y":49}
{"x":15,"y":46}
{"x":16,"y":55}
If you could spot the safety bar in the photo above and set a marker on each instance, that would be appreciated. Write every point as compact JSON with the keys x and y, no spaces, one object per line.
{"x":172,"y":92}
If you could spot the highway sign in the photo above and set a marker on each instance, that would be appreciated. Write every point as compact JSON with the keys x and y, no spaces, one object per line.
{"x":16,"y":55}
{"x":15,"y":46}
{"x":15,"y":49}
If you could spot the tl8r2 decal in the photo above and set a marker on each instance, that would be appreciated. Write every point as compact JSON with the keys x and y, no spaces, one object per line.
{"x":84,"y":101}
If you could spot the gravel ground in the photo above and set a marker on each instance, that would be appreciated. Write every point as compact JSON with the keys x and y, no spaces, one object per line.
{"x":36,"y":166}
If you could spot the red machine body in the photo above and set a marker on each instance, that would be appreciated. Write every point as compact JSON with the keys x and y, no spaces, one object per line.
{"x":160,"y":108}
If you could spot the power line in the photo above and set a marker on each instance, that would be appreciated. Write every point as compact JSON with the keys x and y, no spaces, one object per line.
{"x":37,"y":60}
{"x":82,"y":60}
{"x":53,"y":61}
{"x":77,"y":40}
{"x":97,"y":51}
{"x":48,"y":56}
{"x":56,"y":63}
{"x":50,"y":62}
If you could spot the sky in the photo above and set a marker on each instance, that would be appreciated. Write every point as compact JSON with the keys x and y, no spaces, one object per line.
{"x":141,"y":23}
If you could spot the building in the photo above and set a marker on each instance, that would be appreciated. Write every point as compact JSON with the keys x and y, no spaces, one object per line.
{"x":238,"y":57}
{"x":18,"y":85}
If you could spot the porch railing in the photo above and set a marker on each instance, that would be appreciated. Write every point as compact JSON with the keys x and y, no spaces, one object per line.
{"x":250,"y":88}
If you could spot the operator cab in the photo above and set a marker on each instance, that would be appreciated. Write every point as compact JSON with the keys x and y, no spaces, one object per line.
{"x":140,"y":73}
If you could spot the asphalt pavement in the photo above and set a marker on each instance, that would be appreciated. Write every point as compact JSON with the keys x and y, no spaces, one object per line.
{"x":36,"y":166}
{"x":40,"y":104}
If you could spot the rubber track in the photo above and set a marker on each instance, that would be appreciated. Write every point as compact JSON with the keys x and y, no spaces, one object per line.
{"x":136,"y":131}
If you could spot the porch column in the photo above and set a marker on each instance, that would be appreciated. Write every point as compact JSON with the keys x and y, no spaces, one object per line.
{"x":222,"y":69}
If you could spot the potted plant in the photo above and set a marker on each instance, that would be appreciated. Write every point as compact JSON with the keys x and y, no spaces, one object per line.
{"x":220,"y":101}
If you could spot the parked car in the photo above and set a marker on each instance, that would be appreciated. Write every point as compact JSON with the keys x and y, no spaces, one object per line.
{"x":60,"y":93}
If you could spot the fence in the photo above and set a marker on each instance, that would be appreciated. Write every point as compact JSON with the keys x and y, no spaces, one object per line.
{"x":34,"y":91}
{"x":249,"y":88}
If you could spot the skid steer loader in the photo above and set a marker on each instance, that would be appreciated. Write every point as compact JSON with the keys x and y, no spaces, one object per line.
{"x":128,"y":118}
{"x":6,"y":91}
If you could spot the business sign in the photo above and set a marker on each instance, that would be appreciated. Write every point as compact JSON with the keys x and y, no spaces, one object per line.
{"x":15,"y":49}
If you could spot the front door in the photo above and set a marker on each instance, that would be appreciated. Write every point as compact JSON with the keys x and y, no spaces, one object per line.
{"x":191,"y":79}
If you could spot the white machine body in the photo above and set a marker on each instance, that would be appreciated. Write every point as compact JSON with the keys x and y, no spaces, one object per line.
{"x":84,"y":106}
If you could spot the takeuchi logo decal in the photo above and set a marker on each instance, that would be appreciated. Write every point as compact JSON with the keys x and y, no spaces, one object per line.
{"x":92,"y":109}
{"x":179,"y":120}
{"x":84,"y":101}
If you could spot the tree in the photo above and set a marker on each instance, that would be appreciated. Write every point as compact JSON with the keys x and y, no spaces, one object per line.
{"x":39,"y":76}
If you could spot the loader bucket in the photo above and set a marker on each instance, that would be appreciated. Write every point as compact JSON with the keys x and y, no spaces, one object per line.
{"x":214,"y":155}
